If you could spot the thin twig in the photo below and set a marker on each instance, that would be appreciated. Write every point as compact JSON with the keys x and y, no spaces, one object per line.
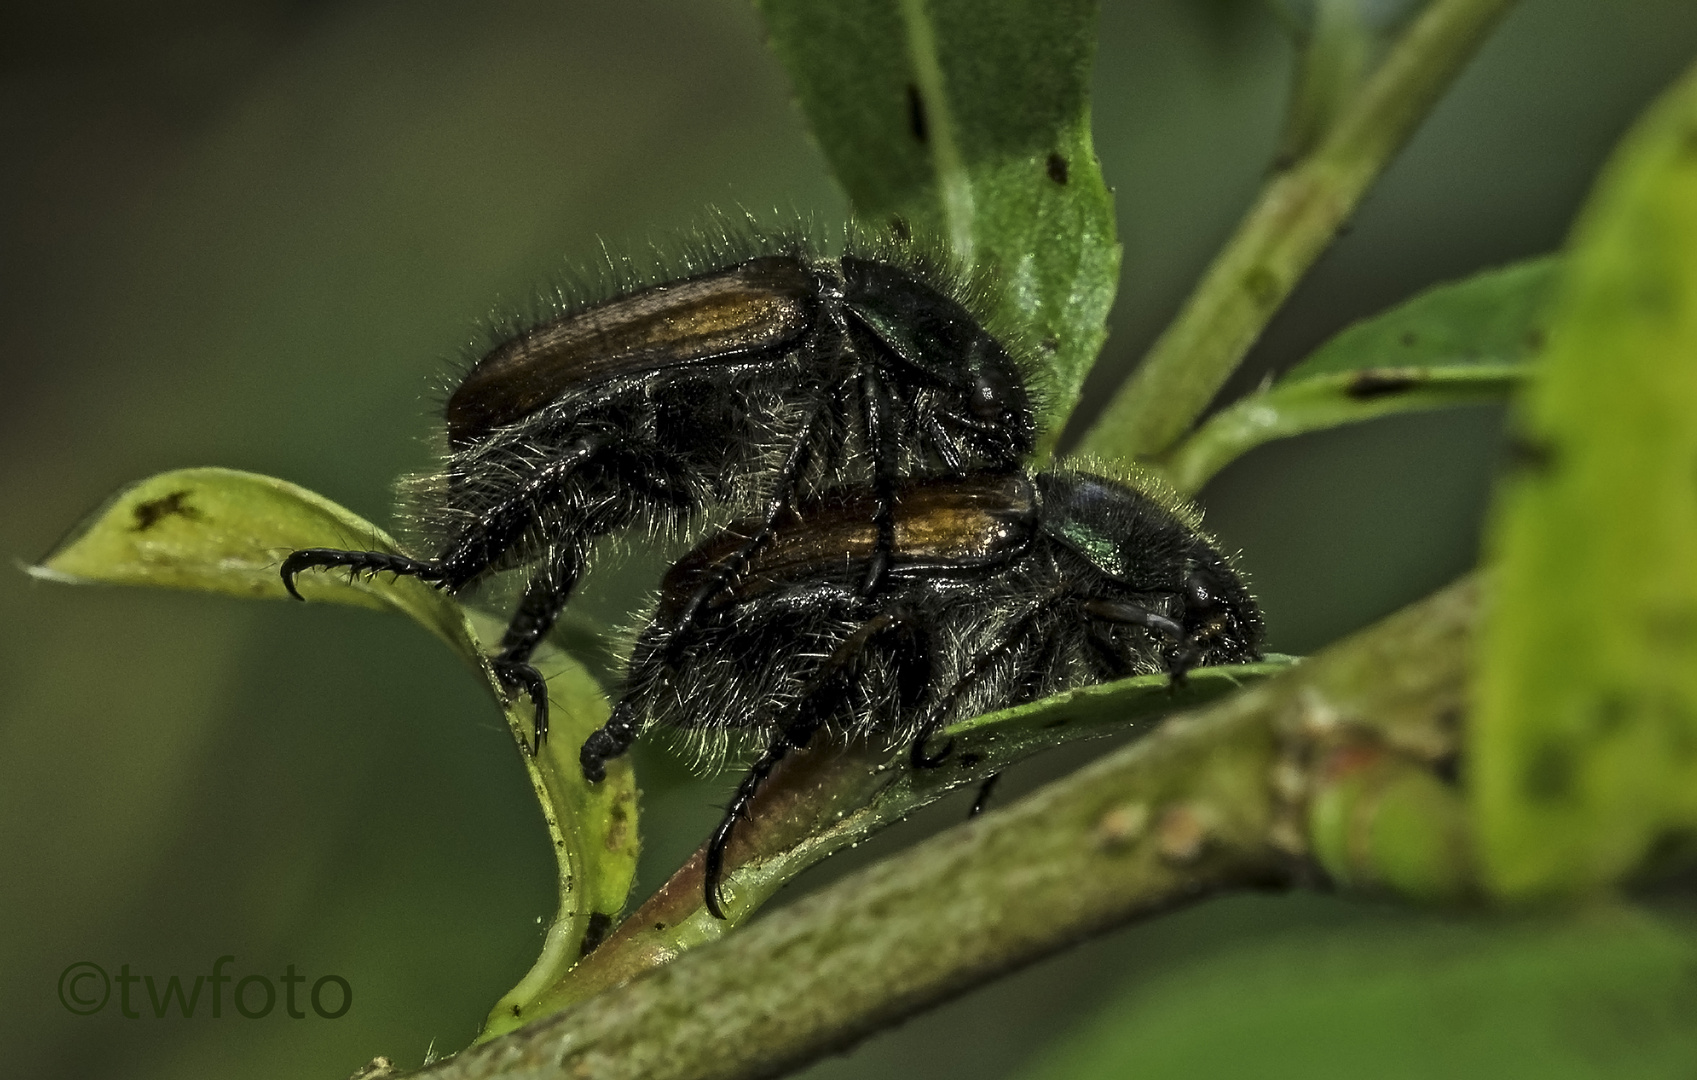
{"x":1290,"y":224}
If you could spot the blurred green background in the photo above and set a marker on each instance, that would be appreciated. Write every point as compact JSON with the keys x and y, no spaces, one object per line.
{"x":255,"y":234}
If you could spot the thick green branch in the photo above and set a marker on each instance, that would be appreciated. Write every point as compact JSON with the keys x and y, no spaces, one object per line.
{"x":1291,"y":223}
{"x":819,"y":803}
{"x":1214,"y":800}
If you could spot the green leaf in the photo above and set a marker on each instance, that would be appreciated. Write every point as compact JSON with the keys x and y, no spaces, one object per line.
{"x":1495,"y":318}
{"x":590,"y":643}
{"x":1584,"y":742}
{"x":969,"y":120}
{"x":593,"y":828}
{"x":1376,"y":992}
{"x":224,"y":531}
{"x":227,"y":531}
{"x":1460,"y":343}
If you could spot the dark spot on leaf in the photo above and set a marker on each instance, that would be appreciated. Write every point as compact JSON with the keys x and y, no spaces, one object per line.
{"x":1535,"y":339}
{"x":1550,"y":772}
{"x":1263,"y":286}
{"x":1409,"y":337}
{"x":1346,"y":227}
{"x":916,"y":122}
{"x":1524,"y":454}
{"x":618,"y":826}
{"x":968,"y":760}
{"x":1673,"y":625}
{"x":596,"y":932}
{"x":659,"y":926}
{"x":1450,"y":719}
{"x":1054,"y":724}
{"x":1610,"y":712}
{"x":900,"y":228}
{"x":1381,"y":382}
{"x":1448,"y":769}
{"x":1447,"y":765}
{"x":1058,"y":169}
{"x":150,"y":513}
{"x":1666,"y":864}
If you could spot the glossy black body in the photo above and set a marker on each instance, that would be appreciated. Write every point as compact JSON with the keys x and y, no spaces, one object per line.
{"x":770,"y":377}
{"x":1000,"y":589}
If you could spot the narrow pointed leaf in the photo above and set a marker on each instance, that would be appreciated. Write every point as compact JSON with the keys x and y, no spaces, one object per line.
{"x":1462,"y":343}
{"x":1291,"y":222}
{"x":593,"y":828}
{"x":227,"y":531}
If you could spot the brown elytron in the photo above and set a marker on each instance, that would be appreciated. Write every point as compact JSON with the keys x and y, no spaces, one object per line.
{"x":762,"y":305}
{"x":957,"y":527}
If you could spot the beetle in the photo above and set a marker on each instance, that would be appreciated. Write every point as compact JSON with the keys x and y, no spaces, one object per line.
{"x":766,"y":372}
{"x":1002,"y":588}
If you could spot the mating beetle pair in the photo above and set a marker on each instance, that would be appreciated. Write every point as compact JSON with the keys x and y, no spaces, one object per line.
{"x":899,"y":569}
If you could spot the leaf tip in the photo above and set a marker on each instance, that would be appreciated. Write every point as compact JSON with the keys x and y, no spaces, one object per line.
{"x":45,"y":571}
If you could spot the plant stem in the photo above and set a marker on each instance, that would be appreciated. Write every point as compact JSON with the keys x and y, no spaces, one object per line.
{"x":820,"y":802}
{"x":1291,"y":223}
{"x":1214,"y":800}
